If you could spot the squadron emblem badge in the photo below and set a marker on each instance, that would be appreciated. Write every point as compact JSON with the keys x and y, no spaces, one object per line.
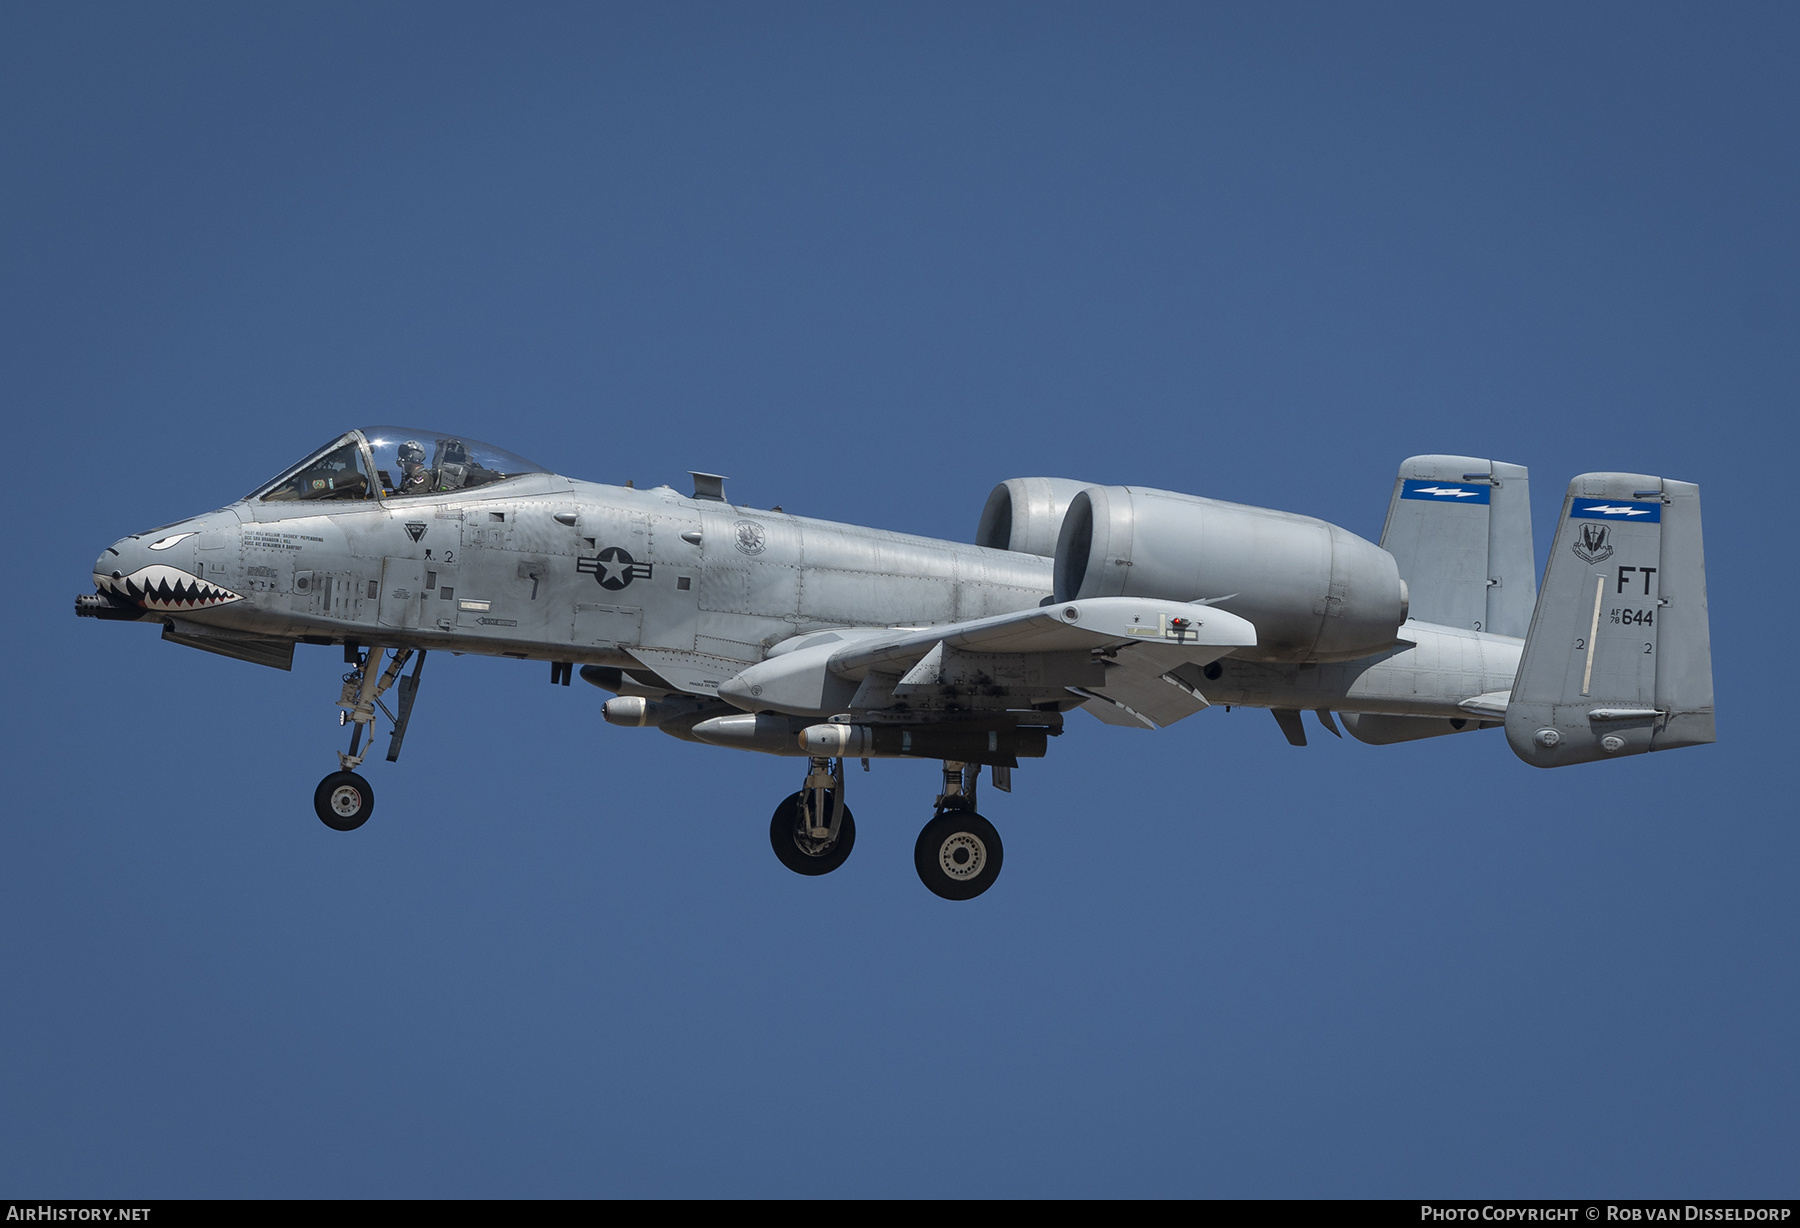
{"x":751,"y":537}
{"x":1592,"y":546}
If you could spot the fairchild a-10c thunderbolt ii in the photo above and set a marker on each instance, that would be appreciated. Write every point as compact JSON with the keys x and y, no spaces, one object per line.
{"x":751,"y":628}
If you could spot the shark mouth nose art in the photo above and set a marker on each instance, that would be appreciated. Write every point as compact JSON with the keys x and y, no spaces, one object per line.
{"x":161,"y":587}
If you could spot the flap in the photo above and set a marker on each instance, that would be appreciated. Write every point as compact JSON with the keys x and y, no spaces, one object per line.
{"x":1143,"y":684}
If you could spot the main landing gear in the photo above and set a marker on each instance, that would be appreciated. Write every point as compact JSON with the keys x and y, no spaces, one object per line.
{"x":958,"y":854}
{"x":812,"y":830}
{"x":344,"y":801}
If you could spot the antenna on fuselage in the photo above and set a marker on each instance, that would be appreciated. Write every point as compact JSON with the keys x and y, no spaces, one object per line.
{"x":708,"y":486}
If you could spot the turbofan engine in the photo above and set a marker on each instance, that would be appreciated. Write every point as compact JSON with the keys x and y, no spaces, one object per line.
{"x":1024,"y":515}
{"x":1315,"y":592}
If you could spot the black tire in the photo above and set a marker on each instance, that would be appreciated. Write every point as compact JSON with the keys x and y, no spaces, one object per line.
{"x":958,"y":855}
{"x":797,"y":852}
{"x":344,"y":801}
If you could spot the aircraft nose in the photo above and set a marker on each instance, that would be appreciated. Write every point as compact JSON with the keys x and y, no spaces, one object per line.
{"x":152,"y":571}
{"x":108,"y":600}
{"x":117,"y":560}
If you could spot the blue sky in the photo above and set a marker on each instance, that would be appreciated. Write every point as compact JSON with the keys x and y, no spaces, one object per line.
{"x":869,"y":261}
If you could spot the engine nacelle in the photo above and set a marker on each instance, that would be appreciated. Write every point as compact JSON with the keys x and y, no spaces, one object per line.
{"x":1024,"y":515}
{"x":1315,"y":592}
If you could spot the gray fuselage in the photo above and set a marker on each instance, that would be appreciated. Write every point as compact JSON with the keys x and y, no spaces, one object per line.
{"x":546,"y":567}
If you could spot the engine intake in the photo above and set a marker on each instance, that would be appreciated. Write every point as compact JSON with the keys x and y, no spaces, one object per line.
{"x":1316,"y":592}
{"x":1024,"y":514}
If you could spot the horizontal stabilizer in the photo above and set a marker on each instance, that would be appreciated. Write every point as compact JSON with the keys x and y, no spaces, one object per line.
{"x":1619,"y":657}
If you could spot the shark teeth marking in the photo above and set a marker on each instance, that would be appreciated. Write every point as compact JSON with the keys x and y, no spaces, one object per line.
{"x":160,"y":587}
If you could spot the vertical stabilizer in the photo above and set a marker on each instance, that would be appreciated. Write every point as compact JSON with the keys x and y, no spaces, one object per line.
{"x":1460,"y":529}
{"x":1619,"y":658}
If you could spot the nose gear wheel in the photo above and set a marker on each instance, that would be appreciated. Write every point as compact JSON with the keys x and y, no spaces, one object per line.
{"x":344,"y":801}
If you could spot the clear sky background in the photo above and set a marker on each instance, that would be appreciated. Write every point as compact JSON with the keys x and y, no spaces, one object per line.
{"x":869,"y":261}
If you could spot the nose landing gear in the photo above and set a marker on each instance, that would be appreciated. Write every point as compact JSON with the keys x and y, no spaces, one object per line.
{"x":344,"y":801}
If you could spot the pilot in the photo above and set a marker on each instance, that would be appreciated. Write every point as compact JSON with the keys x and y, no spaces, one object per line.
{"x":415,"y":478}
{"x":457,"y":469}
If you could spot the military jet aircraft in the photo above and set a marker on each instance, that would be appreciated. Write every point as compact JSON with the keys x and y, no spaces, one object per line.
{"x":752,"y":628}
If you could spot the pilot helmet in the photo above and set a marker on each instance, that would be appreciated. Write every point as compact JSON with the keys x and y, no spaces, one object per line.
{"x":412,"y":452}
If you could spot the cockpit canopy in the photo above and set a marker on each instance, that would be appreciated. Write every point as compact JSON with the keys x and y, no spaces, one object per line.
{"x":393,"y":462}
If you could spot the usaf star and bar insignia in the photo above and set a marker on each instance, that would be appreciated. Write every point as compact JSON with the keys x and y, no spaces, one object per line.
{"x":614,"y":568}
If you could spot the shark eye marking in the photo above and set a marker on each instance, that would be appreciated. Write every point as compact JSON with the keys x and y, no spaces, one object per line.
{"x":170,"y":540}
{"x":159,"y":587}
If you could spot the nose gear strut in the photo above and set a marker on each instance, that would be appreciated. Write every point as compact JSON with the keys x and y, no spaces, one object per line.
{"x":344,"y":800}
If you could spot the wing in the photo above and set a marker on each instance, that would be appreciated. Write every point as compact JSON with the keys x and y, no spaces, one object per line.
{"x":1130,"y":653}
{"x":1098,"y":623}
